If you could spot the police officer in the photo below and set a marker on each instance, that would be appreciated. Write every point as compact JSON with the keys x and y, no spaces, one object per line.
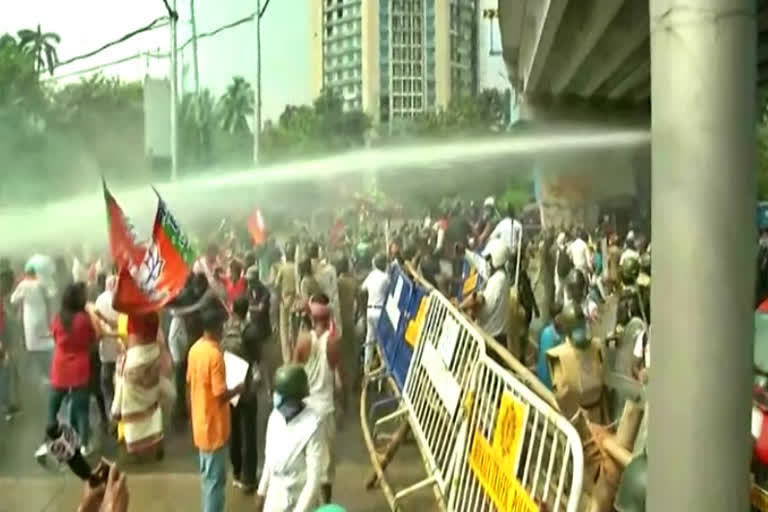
{"x":576,"y":367}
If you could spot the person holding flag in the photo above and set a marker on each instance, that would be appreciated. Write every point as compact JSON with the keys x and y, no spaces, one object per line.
{"x":150,"y":275}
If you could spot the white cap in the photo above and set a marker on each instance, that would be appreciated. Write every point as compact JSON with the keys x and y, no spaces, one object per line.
{"x":489,"y":202}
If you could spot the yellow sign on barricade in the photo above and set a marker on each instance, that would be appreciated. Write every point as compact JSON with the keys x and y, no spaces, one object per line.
{"x":496,"y":479}
{"x":412,"y":330}
{"x":508,"y":432}
{"x":470,"y":283}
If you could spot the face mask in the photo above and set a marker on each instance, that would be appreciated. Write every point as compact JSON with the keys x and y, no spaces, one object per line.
{"x":277,"y":399}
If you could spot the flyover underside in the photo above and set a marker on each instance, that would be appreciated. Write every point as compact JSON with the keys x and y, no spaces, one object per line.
{"x":590,"y":53}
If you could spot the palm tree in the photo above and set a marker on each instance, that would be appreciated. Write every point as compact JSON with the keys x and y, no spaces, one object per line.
{"x":198,"y":116}
{"x":236,"y":106}
{"x":42,"y":45}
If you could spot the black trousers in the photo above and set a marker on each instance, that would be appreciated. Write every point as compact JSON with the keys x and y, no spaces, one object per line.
{"x":243,"y":443}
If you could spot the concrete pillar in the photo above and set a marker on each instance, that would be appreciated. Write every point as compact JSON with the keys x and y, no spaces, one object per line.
{"x":703,"y":212}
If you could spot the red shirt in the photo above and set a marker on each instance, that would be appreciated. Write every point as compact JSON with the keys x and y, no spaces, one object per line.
{"x":235,"y":290}
{"x":71,"y":366}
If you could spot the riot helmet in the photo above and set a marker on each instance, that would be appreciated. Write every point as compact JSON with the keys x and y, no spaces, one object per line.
{"x":575,"y":325}
{"x":291,"y":382}
{"x":630,"y":269}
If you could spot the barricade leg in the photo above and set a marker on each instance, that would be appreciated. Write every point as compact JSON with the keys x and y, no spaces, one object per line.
{"x":389,"y":453}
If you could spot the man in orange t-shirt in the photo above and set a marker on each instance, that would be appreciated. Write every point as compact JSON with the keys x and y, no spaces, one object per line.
{"x":208,"y":400}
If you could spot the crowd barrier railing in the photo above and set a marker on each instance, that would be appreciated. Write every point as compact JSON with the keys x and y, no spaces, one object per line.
{"x":439,"y":379}
{"x":489,"y":437}
{"x":516,"y":452}
{"x":398,"y":324}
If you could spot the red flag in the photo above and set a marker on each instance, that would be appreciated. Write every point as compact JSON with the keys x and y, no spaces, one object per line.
{"x":124,"y":246}
{"x":162,"y":273}
{"x":257,"y":228}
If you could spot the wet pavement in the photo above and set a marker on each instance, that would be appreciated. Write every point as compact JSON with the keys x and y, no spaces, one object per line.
{"x":173,"y":484}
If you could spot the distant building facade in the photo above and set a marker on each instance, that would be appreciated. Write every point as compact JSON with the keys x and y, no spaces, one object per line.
{"x":394,"y":58}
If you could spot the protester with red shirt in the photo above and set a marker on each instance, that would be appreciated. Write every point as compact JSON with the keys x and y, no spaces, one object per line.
{"x":235,"y":284}
{"x":74,"y":333}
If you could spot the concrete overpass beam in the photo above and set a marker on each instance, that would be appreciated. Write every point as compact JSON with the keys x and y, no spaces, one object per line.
{"x":547,"y":26}
{"x":623,"y":37}
{"x":631,"y":81}
{"x":586,"y":21}
{"x":512,"y":22}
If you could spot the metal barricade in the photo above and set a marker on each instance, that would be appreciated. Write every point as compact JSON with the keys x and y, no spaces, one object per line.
{"x":446,"y":355}
{"x":400,"y":309}
{"x":516,"y":452}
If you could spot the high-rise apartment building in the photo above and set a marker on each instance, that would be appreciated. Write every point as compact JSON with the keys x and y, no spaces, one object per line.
{"x":394,"y":58}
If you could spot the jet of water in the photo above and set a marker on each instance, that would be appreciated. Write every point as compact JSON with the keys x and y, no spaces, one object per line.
{"x":82,"y":220}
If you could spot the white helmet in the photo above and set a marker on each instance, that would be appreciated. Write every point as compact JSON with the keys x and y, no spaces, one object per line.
{"x":498,"y":251}
{"x":489,"y":202}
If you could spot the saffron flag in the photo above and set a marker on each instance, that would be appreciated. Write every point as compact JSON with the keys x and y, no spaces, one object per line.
{"x":257,"y":228}
{"x":124,"y":246}
{"x":163,"y":271}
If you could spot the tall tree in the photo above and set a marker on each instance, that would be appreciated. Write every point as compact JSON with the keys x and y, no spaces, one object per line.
{"x":42,"y":45}
{"x":198,"y":123}
{"x":236,"y":106}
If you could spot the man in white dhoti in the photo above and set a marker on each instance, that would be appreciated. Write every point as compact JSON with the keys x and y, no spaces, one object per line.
{"x":290,"y":481}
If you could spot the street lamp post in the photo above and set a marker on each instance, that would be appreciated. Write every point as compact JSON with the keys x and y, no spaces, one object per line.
{"x":703,"y":62}
{"x":257,"y":91}
{"x":195,"y":70}
{"x":173,"y":75}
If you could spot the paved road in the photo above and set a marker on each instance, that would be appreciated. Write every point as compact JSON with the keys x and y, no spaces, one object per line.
{"x":173,"y":484}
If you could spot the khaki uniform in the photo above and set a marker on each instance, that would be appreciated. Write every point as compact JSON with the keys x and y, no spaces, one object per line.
{"x":517,"y":330}
{"x":577,"y":380}
{"x":285,"y":280}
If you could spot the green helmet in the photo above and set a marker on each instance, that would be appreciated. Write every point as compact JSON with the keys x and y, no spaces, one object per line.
{"x":631,"y":494}
{"x":575,"y":325}
{"x":331,"y":508}
{"x":630,"y":269}
{"x":291,"y":382}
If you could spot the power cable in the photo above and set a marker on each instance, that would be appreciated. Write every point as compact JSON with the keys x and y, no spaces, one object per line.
{"x":157,"y":23}
{"x":152,"y":26}
{"x":172,"y":14}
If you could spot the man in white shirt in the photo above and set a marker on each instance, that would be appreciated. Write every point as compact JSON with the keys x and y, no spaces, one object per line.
{"x":580,"y":254}
{"x":375,"y":286}
{"x":509,"y":230}
{"x":109,"y":346}
{"x":492,"y":303}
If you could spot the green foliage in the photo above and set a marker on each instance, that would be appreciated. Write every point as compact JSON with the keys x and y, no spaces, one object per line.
{"x":313,"y":130}
{"x":236,"y":106}
{"x":485,"y":113}
{"x":42,"y":46}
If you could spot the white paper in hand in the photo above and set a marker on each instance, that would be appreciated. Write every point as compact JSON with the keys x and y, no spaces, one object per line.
{"x":235,"y":369}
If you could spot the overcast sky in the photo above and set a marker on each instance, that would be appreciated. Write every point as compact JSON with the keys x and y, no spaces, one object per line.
{"x":85,"y":25}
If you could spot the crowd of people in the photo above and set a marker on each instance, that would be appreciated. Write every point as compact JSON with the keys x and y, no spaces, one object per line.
{"x":301,"y":309}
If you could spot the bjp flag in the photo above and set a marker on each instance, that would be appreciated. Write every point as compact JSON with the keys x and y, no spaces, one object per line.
{"x":257,"y":228}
